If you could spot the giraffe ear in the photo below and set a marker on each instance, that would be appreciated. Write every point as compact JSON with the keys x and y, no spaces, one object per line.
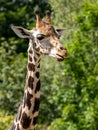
{"x":60,"y":32}
{"x":21,"y":32}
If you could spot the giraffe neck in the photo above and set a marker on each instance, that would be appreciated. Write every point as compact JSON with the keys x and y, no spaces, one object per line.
{"x":28,"y":111}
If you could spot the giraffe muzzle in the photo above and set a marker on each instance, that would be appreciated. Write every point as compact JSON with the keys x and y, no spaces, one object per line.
{"x":61,"y":56}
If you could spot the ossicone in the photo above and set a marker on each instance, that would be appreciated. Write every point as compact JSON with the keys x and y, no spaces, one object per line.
{"x":48,"y":16}
{"x":38,"y":19}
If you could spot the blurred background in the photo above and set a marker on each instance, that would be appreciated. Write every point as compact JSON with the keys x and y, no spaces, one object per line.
{"x":69,"y":92}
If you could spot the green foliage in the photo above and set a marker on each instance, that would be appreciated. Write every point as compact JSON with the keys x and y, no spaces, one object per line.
{"x":5,"y":121}
{"x":47,"y":91}
{"x":19,"y":12}
{"x":69,"y":92}
{"x":79,"y":92}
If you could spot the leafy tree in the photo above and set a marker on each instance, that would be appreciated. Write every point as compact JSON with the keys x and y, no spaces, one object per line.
{"x":78,"y":94}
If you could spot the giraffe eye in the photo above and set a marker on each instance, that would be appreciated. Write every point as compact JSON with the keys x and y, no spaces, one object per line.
{"x":40,"y":36}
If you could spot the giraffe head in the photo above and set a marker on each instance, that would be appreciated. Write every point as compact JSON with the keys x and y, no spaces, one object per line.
{"x":44,"y":36}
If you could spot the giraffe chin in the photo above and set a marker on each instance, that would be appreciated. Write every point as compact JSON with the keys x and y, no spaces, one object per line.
{"x":60,"y":58}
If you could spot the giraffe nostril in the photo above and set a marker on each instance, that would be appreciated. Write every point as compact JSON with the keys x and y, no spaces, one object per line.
{"x":62,"y":48}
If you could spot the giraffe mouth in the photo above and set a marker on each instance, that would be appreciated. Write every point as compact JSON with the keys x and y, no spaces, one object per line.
{"x":59,"y":57}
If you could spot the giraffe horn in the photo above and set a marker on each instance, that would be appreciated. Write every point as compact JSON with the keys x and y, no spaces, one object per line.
{"x":48,"y":16}
{"x":38,"y":19}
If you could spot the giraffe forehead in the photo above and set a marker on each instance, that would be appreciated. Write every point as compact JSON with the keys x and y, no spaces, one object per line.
{"x":35,"y":32}
{"x":47,"y":29}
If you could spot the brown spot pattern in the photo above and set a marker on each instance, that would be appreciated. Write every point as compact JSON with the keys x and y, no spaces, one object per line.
{"x":30,"y":51}
{"x":19,"y":114}
{"x":37,"y":49}
{"x":38,"y":54}
{"x":30,"y":82}
{"x":25,"y":121}
{"x":38,"y":86}
{"x":37,"y":74}
{"x":30,"y":58}
{"x":28,"y":100}
{"x":35,"y":120}
{"x":35,"y":59}
{"x":18,"y":127}
{"x":36,"y":105}
{"x":31,"y":67}
{"x":38,"y":66}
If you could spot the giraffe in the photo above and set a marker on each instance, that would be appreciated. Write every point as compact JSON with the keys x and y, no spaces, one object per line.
{"x":43,"y":40}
